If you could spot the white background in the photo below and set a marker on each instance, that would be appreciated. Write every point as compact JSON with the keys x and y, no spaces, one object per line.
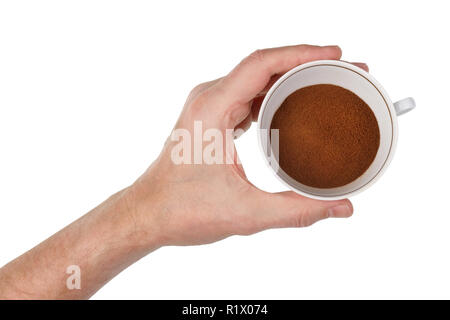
{"x":89,"y":91}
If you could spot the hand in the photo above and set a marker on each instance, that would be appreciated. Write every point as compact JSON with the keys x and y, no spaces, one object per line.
{"x":189,"y":204}
{"x":177,"y":204}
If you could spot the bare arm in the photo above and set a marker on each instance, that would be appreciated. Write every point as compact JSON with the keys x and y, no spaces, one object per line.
{"x":176,"y":204}
{"x":101,"y":244}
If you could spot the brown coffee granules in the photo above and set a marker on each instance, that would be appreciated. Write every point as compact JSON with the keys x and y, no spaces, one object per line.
{"x":328,"y":136}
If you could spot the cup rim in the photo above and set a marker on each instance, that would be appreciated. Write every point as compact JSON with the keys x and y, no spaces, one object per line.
{"x":369,"y":78}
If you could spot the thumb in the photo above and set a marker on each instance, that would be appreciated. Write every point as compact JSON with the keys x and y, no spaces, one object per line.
{"x":288,"y":209}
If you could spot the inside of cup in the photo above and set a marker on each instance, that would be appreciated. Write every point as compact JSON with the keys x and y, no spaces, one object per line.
{"x":351,"y":80}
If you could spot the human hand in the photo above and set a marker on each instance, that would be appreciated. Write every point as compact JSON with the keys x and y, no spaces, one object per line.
{"x":186,"y":204}
{"x":178,"y":204}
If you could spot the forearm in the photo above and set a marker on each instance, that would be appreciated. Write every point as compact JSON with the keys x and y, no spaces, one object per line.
{"x":101,"y":243}
{"x":176,"y":203}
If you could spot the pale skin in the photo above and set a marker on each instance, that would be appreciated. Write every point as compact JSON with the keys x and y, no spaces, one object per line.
{"x":177,"y":204}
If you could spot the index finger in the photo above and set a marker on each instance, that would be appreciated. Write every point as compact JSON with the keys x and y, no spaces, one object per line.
{"x":252,"y":75}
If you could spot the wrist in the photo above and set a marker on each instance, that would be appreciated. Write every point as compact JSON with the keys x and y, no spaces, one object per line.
{"x":140,"y":207}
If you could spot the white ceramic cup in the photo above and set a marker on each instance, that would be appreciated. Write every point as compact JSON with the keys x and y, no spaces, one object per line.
{"x":356,"y":80}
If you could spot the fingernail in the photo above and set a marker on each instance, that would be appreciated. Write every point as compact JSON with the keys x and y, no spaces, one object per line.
{"x":340,"y":211}
{"x":237,"y":133}
{"x":361,"y":64}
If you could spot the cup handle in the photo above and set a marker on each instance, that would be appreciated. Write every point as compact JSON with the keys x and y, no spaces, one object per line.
{"x":404,"y":106}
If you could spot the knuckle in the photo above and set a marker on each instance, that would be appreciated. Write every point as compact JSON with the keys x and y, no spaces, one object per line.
{"x":305,"y":49}
{"x":199,"y":101}
{"x":305,"y":218}
{"x":257,"y":55}
{"x":197,"y":89}
{"x":301,"y":220}
{"x":235,"y":115}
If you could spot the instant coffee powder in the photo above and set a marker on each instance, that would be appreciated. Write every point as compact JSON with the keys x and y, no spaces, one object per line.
{"x":328,"y":136}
